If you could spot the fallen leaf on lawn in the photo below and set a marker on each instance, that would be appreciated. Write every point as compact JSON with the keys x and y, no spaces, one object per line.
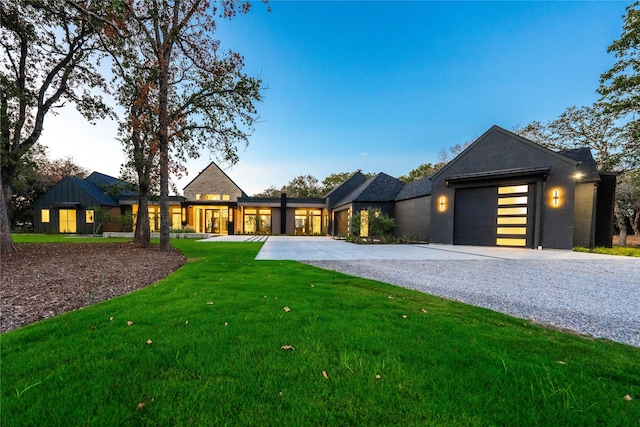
{"x":378,"y":376}
{"x":390,"y":297}
{"x":186,"y":323}
{"x":141,"y":405}
{"x":424,"y":310}
{"x":111,"y":319}
{"x":628,"y":398}
{"x":148,"y":341}
{"x":324,"y":375}
{"x":210,"y":303}
{"x":226,"y":324}
{"x":560,"y":362}
{"x":313,"y":286}
{"x":129,"y":323}
{"x":287,"y":347}
{"x":287,"y":309}
{"x":404,"y":316}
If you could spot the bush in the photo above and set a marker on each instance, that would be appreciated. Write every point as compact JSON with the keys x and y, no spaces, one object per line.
{"x":380,"y":224}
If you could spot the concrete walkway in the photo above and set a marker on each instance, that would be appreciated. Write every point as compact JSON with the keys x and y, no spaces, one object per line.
{"x":317,"y":248}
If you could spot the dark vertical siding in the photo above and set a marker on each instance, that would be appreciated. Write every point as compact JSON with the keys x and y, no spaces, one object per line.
{"x":413,"y":217}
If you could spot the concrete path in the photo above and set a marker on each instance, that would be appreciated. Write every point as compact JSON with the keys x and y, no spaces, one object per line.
{"x":316,"y":248}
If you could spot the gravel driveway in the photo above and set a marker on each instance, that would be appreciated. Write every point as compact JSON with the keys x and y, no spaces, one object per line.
{"x":598,"y":297}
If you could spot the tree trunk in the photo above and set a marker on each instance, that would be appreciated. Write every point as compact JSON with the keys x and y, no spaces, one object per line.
{"x":6,"y":243}
{"x":634,"y":223}
{"x":621,"y":223}
{"x":142,"y":235}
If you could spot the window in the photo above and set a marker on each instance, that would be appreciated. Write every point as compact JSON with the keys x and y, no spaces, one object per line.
{"x":226,"y":197}
{"x":67,"y":221}
{"x":511,"y":227}
{"x":308,"y":221}
{"x":212,"y":197}
{"x":198,"y":196}
{"x":257,"y":221}
{"x":44,"y":215}
{"x":176,"y":217}
{"x":89,"y":216}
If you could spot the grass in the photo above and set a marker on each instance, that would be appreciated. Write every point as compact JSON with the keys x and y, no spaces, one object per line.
{"x":616,"y":250}
{"x":217,"y":327}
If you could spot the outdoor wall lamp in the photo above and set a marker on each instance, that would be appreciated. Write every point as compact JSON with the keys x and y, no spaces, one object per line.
{"x":556,"y":198}
{"x":442,"y":204}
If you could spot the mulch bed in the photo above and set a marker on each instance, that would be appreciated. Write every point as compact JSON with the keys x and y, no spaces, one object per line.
{"x":44,"y":280}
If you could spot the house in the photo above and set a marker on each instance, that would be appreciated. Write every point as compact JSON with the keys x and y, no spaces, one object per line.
{"x":502,"y":190}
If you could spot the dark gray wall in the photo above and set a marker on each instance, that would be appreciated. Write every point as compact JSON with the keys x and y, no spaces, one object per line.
{"x":500,"y":150}
{"x":583,"y":216}
{"x":66,"y":191}
{"x":413,"y":217}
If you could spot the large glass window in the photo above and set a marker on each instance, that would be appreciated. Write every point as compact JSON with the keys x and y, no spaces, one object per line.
{"x":308,"y":221}
{"x":257,"y":221}
{"x":176,"y":217}
{"x":67,"y":221}
{"x":44,"y":215}
{"x":90,"y":216}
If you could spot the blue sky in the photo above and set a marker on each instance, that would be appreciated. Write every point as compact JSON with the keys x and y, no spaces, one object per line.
{"x":385,"y":86}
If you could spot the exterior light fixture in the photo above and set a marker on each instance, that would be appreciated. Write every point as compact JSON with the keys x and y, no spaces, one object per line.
{"x":442,"y":204}
{"x":556,"y":197}
{"x":577,"y":176}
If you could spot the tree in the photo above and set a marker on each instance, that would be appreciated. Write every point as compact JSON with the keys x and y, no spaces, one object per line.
{"x":421,"y":171}
{"x":200,"y":95}
{"x":36,"y":175}
{"x":620,"y":86}
{"x":270,"y":191}
{"x":594,"y":127}
{"x":331,"y":181}
{"x":304,"y":186}
{"x":49,"y":49}
{"x":589,"y":126}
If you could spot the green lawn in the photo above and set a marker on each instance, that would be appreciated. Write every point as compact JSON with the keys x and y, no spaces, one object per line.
{"x":205,"y":348}
{"x":616,"y":250}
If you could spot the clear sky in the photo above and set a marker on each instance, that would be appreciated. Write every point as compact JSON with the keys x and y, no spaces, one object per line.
{"x":384,"y":86}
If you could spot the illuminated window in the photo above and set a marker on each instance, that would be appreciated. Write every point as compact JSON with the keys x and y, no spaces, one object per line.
{"x":67,"y":220}
{"x":212,"y":197}
{"x":307,"y":221}
{"x":257,"y":221}
{"x":44,"y":215}
{"x":198,"y":196}
{"x":512,"y":211}
{"x":89,"y":216}
{"x":512,"y":200}
{"x":176,"y":217}
{"x":510,"y":189}
{"x":502,"y":241}
{"x":226,"y":197}
{"x":364,"y":223}
{"x":512,"y":230}
{"x":512,"y":220}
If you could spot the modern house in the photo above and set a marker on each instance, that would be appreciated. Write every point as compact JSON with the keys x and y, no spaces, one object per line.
{"x":503,"y":190}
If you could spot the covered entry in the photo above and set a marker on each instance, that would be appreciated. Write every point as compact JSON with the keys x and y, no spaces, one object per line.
{"x":500,"y":215}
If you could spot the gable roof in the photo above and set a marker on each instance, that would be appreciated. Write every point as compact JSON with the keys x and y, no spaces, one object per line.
{"x":511,"y":135}
{"x":378,"y":188}
{"x":210,"y":165}
{"x":417,"y":188}
{"x":586,"y":164}
{"x":115,"y":187}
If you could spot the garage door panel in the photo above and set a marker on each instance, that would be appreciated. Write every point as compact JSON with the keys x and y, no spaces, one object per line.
{"x":475,"y":216}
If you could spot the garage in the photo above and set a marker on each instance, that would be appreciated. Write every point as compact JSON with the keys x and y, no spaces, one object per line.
{"x":494,"y":216}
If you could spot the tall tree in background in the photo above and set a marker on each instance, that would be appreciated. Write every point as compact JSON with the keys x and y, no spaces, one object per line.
{"x":620,"y":86}
{"x":48,"y":54}
{"x":35,"y":176}
{"x":201,"y":96}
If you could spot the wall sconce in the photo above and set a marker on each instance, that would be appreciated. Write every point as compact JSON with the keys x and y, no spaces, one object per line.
{"x":556,"y":197}
{"x":442,"y":204}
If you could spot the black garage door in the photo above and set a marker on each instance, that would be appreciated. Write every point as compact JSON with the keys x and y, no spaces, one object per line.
{"x":475,"y":216}
{"x":494,"y":216}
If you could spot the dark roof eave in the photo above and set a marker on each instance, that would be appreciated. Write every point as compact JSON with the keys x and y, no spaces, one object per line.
{"x":503,"y":173}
